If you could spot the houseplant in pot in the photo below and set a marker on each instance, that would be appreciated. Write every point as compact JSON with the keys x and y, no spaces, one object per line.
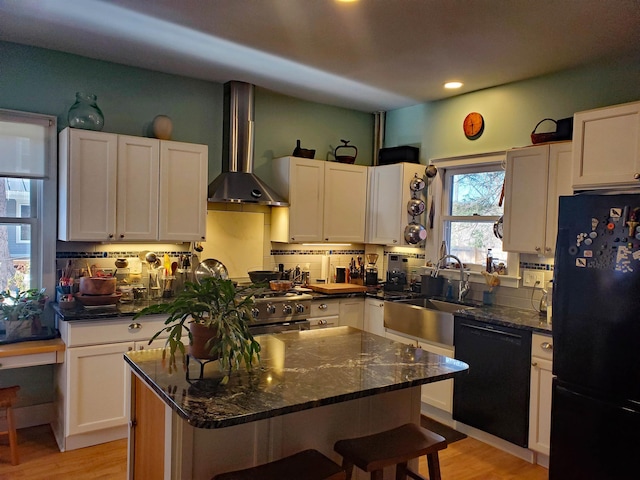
{"x":21,"y":312}
{"x":216,"y":318}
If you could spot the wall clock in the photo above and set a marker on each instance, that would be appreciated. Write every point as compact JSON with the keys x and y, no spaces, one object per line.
{"x":473,"y":125}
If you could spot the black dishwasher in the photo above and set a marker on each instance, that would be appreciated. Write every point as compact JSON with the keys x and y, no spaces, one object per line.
{"x":494,"y":395}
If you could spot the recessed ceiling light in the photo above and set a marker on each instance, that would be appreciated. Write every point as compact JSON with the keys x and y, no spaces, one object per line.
{"x":452,"y":85}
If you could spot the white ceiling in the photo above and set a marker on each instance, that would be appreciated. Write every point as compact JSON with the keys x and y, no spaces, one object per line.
{"x":369,"y":55}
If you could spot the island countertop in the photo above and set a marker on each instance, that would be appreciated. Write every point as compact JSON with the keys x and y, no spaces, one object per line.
{"x":298,"y":371}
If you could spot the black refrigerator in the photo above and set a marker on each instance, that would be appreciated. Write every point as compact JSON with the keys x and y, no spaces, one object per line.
{"x":595,"y":416}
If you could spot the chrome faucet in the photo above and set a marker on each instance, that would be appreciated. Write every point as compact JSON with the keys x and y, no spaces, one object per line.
{"x":463,"y":284}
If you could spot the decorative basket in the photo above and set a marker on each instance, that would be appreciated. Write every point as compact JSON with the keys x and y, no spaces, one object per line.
{"x":564,"y":131}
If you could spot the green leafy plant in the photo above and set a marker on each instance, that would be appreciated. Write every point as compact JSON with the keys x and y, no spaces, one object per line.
{"x":23,"y":305}
{"x":216,"y":304}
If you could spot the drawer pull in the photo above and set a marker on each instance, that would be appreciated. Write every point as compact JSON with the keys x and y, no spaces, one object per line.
{"x":323,"y":306}
{"x":546,"y":346}
{"x":135,"y":326}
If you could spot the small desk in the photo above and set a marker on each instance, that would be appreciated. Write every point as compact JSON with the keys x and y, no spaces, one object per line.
{"x":31,"y":353}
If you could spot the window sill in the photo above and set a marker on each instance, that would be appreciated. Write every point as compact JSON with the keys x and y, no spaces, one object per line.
{"x":474,"y":277}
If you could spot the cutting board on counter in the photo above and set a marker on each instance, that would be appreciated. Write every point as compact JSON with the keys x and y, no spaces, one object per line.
{"x":329,"y":288}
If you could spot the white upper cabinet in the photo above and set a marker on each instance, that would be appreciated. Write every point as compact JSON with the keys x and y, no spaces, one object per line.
{"x":606,"y":150}
{"x":183,"y":191}
{"x":87,"y":163}
{"x":535,"y":177}
{"x":124,"y":188}
{"x":327,"y":201}
{"x":137,"y":187}
{"x":389,"y":193}
{"x":345,"y":202}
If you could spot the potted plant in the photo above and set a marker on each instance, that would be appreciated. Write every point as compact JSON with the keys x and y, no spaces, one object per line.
{"x":21,"y":312}
{"x":216,"y":317}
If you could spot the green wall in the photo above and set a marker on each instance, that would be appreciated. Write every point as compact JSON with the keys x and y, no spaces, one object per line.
{"x":511,"y":111}
{"x":45,"y":81}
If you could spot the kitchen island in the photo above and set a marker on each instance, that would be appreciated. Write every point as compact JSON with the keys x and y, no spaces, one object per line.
{"x":310,"y":389}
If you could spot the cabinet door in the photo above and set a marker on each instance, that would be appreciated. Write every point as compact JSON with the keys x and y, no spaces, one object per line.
{"x":525,"y":208}
{"x":306,"y":200}
{"x":374,"y":316}
{"x":607,"y":147}
{"x":540,"y":405}
{"x":98,"y":387}
{"x":438,"y":394}
{"x":138,"y":173}
{"x":183,"y":191}
{"x":558,"y":183}
{"x":147,"y":432}
{"x":352,"y":312}
{"x":345,"y":202}
{"x":385,"y":205}
{"x":87,"y":185}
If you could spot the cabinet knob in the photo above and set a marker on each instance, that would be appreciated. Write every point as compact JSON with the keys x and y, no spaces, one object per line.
{"x":323,"y":306}
{"x":534,"y":364}
{"x":636,"y":176}
{"x":293,"y":239}
{"x":135,"y":326}
{"x":111,"y":235}
{"x":141,"y":347}
{"x":122,"y":235}
{"x":130,"y":348}
{"x":538,"y":249}
{"x":546,"y":346}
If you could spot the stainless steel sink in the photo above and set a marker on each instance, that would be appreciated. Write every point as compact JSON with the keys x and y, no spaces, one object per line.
{"x":424,"y":318}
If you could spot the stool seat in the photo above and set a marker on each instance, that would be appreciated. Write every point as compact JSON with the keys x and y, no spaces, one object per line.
{"x":307,"y":465}
{"x":372,"y":453}
{"x":8,"y":396}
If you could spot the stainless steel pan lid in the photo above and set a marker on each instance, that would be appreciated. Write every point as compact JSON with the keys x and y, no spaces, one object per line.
{"x":211,"y":268}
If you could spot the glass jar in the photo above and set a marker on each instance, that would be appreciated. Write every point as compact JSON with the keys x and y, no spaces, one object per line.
{"x":85,"y":113}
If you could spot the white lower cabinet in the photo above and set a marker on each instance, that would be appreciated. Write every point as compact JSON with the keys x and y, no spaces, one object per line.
{"x":374,"y":316}
{"x":437,"y":394}
{"x":352,"y":312}
{"x":332,"y":312}
{"x":540,"y":396}
{"x":93,"y":382}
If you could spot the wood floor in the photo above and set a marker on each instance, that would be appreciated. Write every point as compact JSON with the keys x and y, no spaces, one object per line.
{"x":40,"y":459}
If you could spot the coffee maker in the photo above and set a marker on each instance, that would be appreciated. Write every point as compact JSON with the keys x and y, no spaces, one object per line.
{"x":397,"y":272}
{"x":371,"y":271}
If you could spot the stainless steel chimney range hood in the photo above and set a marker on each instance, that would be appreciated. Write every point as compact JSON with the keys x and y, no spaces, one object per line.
{"x":237,"y":183}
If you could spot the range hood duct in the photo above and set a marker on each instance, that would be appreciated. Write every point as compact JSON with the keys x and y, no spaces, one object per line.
{"x":237,"y":183}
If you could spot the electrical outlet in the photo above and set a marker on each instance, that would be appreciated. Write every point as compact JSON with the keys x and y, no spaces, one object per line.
{"x":530,"y":277}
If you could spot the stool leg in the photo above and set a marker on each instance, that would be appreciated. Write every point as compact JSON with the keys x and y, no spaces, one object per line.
{"x":401,"y":471}
{"x":433,"y":464}
{"x":377,"y":475}
{"x":347,"y":467}
{"x":13,"y":437}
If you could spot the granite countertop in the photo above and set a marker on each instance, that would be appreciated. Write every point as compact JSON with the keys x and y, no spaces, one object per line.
{"x":508,"y":317}
{"x":298,"y":371}
{"x":79,"y":312}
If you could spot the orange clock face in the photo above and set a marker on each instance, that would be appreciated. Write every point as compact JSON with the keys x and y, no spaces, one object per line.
{"x":473,"y":125}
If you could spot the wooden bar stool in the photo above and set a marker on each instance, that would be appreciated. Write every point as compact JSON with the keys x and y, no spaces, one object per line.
{"x":305,"y":465}
{"x":8,"y":396}
{"x":373,"y":453}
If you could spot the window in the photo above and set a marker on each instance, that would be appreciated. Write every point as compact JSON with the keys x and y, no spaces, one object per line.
{"x":471,"y":208}
{"x":27,"y":200}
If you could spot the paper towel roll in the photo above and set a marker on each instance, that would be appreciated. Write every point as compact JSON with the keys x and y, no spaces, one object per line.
{"x":324,"y":269}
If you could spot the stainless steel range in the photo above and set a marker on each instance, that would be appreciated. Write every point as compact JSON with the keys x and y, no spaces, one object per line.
{"x":280,"y":311}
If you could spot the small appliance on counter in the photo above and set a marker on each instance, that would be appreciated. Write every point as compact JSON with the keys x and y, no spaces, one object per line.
{"x":397,"y":273}
{"x":371,"y":271}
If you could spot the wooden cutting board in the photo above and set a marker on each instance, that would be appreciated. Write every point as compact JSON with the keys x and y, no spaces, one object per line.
{"x":329,"y":288}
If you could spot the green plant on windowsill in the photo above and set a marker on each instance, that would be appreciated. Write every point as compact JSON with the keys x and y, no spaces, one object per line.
{"x":21,"y":311}
{"x":216,"y":318}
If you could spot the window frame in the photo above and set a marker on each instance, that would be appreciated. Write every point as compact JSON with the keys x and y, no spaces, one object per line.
{"x":437,"y":192}
{"x":43,"y":216}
